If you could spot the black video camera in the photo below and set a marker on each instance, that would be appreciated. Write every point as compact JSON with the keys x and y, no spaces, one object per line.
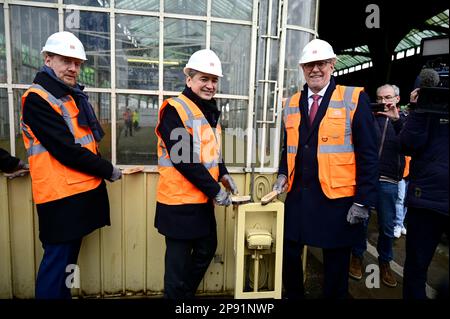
{"x":432,"y":100}
{"x":377,"y":107}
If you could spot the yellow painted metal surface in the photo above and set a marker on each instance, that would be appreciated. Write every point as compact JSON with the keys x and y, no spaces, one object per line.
{"x":126,"y":258}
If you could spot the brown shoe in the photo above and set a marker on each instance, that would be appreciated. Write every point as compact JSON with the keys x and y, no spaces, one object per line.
{"x":387,"y":277}
{"x":356,"y":270}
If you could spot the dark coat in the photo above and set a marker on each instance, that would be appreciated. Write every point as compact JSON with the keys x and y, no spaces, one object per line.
{"x":74,"y":216}
{"x":310,"y":217}
{"x":189,"y":221}
{"x":392,"y":161}
{"x":7,"y":162}
{"x":425,"y":138}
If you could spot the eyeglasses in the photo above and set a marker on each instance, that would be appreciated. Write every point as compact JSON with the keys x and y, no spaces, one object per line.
{"x":387,"y":98}
{"x":311,"y":65}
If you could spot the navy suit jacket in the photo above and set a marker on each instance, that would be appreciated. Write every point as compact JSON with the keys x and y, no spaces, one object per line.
{"x":310,"y":217}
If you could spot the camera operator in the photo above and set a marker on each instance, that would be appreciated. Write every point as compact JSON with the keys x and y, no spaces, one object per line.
{"x":388,"y":124}
{"x":425,"y":138}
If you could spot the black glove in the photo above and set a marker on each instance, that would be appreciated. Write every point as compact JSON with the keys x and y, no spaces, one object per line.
{"x":222,"y":198}
{"x":229,"y":184}
{"x":116,"y":174}
{"x":281,"y":185}
{"x":357,"y":214}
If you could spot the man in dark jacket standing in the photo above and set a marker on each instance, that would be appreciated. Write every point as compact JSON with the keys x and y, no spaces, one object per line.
{"x":190,"y":167}
{"x":391,"y":166}
{"x":425,"y":139}
{"x":61,"y":135}
{"x":329,"y":167}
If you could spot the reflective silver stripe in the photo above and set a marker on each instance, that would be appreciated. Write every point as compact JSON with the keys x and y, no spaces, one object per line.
{"x":25,"y":131}
{"x":165,"y":162}
{"x":35,"y":149}
{"x":286,"y":106}
{"x":348,"y":93}
{"x":85,"y":139}
{"x":191,"y":122}
{"x":336,"y":148}
{"x":336,"y":104}
{"x":292,"y":149}
{"x":291,"y":110}
{"x":60,"y":103}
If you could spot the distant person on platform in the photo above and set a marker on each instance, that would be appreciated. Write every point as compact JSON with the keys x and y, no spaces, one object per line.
{"x":61,"y":135}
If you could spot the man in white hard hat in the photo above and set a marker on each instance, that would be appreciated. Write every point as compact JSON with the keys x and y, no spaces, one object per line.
{"x":329,"y":169}
{"x":190,"y":168}
{"x":61,"y":135}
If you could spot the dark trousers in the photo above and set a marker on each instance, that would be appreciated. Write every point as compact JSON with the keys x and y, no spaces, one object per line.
{"x":425,"y":229}
{"x":52,"y":274}
{"x":186,"y":262}
{"x":336,"y":262}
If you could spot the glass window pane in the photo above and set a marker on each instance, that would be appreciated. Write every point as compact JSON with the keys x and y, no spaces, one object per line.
{"x":2,"y":47}
{"x":20,"y":147}
{"x":181,"y":39}
{"x":101,"y":102}
{"x":195,"y":7}
{"x":149,"y":5}
{"x":137,"y":48}
{"x":30,"y":28}
{"x":293,"y":78}
{"x":307,"y":8}
{"x":234,"y":135}
{"x":136,"y":121}
{"x":4,"y":121}
{"x":93,"y":32}
{"x":232,"y":45}
{"x":91,"y":3}
{"x":232,"y":9}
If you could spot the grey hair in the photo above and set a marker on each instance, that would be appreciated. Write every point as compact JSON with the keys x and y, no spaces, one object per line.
{"x":192,"y":73}
{"x":393,"y":86}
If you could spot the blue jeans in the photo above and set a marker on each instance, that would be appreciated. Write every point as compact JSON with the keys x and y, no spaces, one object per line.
{"x":386,"y":199}
{"x":51,"y":278}
{"x":399,"y":205}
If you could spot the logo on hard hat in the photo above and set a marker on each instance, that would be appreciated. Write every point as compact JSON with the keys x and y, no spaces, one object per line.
{"x":211,"y":64}
{"x":314,"y":52}
{"x":72,"y":47}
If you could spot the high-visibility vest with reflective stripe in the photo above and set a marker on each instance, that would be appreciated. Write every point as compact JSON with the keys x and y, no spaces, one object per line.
{"x":50,"y":179}
{"x":173,"y":188}
{"x":335,"y":153}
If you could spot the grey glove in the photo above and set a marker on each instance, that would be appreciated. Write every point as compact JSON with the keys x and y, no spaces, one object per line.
{"x":116,"y":174}
{"x":357,"y":214}
{"x":222,"y":198}
{"x":22,"y":165}
{"x":229,"y":184}
{"x":281,"y":185}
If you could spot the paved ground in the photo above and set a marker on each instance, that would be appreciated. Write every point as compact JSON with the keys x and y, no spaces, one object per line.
{"x":438,"y":271}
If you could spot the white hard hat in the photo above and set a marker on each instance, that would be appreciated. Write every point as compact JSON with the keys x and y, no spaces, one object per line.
{"x":316,"y":50}
{"x":65,"y":44}
{"x":205,"y":61}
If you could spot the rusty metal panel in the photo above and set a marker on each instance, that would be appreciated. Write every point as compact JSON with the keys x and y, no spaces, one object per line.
{"x":6,"y":290}
{"x":156,"y":244}
{"x":22,"y":237}
{"x":135,"y":231}
{"x":112,"y":243}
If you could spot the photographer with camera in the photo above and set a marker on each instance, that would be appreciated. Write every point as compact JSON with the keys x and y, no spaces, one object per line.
{"x":388,"y":124}
{"x":425,"y":138}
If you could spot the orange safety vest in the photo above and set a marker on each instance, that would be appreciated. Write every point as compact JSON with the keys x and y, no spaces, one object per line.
{"x":173,"y":188}
{"x":52,"y":180}
{"x":406,"y":171}
{"x":335,"y":153}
